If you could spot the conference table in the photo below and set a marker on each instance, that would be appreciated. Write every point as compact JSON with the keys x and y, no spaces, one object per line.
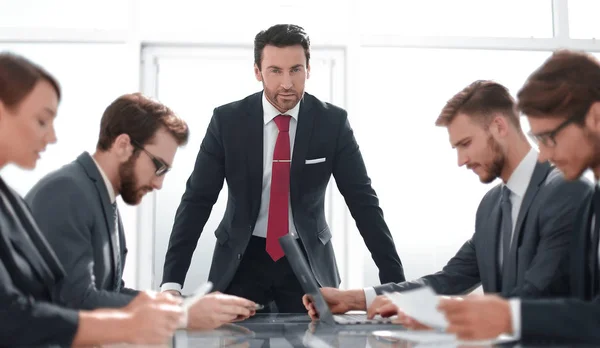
{"x":295,"y":330}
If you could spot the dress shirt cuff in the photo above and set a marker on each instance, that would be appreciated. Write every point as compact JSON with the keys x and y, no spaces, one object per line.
{"x":370,"y":295}
{"x":171,"y":286}
{"x":515,"y":316}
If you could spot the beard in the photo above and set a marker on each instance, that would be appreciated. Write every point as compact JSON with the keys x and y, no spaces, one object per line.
{"x":129,"y":190}
{"x":281,"y":104}
{"x":494,"y":170}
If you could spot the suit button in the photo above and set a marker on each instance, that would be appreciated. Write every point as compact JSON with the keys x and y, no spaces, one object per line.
{"x":239,"y":256}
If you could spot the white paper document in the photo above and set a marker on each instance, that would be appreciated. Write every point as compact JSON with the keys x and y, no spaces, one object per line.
{"x":421,"y":305}
{"x":431,"y":338}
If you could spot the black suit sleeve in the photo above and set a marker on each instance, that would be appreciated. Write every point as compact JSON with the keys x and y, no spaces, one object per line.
{"x":550,"y":263}
{"x":201,"y":193}
{"x":25,"y":322}
{"x":568,"y":320}
{"x":58,"y":210}
{"x":355,"y":185}
{"x":459,"y":276}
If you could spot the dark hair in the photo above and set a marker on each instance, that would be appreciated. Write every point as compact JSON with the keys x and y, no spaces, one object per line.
{"x":480,"y":100}
{"x":566,"y":85}
{"x":18,"y":77}
{"x":281,"y":35}
{"x":140,"y":118}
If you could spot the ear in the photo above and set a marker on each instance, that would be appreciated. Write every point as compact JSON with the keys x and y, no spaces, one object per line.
{"x":122,"y":147}
{"x":499,"y":126}
{"x":257,"y":73}
{"x":308,"y":71}
{"x":592,"y":119}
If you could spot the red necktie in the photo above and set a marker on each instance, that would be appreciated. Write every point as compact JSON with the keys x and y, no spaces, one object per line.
{"x":278,"y":222}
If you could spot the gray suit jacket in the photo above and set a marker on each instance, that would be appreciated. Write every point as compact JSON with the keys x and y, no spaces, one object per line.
{"x":73,"y":210}
{"x":537,"y":263}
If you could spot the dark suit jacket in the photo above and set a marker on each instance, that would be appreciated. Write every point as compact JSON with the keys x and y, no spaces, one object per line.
{"x":29,"y":273}
{"x":74,"y":211}
{"x":537,"y":263}
{"x":576,"y":317}
{"x":233,"y":149}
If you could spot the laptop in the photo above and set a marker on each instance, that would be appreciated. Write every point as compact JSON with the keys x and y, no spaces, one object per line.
{"x":311,"y":288}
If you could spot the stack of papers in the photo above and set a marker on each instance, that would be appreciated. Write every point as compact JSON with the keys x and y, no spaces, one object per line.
{"x":420,"y":304}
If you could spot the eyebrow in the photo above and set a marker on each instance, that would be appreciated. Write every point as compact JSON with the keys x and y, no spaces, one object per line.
{"x":460,"y":142}
{"x":50,"y":111}
{"x":293,"y":67}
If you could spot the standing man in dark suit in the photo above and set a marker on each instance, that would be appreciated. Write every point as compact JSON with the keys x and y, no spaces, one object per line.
{"x":522,"y":226}
{"x":277,"y":150}
{"x":562,"y":103}
{"x":76,"y":207}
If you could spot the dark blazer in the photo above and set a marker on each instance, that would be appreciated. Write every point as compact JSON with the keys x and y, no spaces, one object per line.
{"x":74,"y":211}
{"x":29,"y":274}
{"x":576,"y":317}
{"x":537,"y":263}
{"x":233,"y":150}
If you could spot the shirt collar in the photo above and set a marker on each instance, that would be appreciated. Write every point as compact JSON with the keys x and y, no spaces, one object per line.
{"x":520,"y":178}
{"x":270,"y":112}
{"x":107,"y":183}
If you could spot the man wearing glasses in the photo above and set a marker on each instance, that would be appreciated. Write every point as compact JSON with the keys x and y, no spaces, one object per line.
{"x":75,"y":207}
{"x":561,"y":100}
{"x":522,"y":226}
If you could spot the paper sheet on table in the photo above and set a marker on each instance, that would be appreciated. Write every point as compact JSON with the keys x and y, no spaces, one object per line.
{"x":440,"y":339}
{"x":420,"y":304}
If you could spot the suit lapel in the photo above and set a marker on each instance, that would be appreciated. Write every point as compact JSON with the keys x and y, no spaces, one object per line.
{"x":537,"y":180}
{"x":31,"y":243}
{"x":94,"y":175}
{"x":301,"y":142}
{"x":254,"y":147}
{"x":491,"y":256}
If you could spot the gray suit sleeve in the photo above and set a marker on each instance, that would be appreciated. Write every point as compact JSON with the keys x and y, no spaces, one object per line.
{"x":549,"y":265}
{"x":560,"y":320}
{"x":459,"y":276}
{"x":60,"y":211}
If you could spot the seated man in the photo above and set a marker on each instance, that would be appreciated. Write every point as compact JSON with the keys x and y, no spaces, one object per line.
{"x":522,"y":226}
{"x":562,"y":103}
{"x":76,"y":208}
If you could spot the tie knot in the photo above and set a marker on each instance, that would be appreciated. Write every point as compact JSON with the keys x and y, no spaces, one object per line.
{"x":505,"y":194}
{"x":283,"y":122}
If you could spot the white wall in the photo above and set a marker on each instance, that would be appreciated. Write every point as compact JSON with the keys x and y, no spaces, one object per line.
{"x":403,"y":60}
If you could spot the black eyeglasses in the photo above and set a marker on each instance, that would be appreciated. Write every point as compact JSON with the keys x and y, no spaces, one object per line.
{"x":548,"y":138}
{"x":161,"y":167}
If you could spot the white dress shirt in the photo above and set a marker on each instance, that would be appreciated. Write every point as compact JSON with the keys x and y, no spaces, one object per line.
{"x":517,"y":183}
{"x":109,"y":186}
{"x":270,"y":133}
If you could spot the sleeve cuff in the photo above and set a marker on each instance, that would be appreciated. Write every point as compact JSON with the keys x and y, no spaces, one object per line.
{"x":370,"y":295}
{"x":515,"y":316}
{"x":171,"y":286}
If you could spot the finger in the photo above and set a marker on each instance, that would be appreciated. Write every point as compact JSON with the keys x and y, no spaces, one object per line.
{"x":305,"y":302}
{"x":234,"y":310}
{"x":388,"y":310}
{"x":451,"y":305}
{"x":313,"y":314}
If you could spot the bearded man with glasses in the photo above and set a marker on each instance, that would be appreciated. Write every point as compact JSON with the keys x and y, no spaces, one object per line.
{"x":76,"y":208}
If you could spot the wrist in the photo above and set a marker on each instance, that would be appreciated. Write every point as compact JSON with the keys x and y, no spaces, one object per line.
{"x":356,"y":300}
{"x":508,"y":326}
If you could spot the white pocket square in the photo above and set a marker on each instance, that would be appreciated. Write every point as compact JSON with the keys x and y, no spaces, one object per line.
{"x":316,"y":160}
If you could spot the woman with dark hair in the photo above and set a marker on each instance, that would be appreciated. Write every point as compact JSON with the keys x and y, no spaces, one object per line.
{"x":30,"y":311}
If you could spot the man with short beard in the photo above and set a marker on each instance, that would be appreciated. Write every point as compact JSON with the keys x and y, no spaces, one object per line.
{"x":277,"y":149}
{"x":522,"y":225}
{"x":561,"y":100}
{"x":76,"y":207}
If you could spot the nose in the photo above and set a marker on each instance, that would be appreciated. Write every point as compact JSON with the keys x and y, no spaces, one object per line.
{"x":462,"y":158}
{"x":545,"y":153}
{"x":286,"y":81}
{"x":157,"y":182}
{"x":51,"y":136}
